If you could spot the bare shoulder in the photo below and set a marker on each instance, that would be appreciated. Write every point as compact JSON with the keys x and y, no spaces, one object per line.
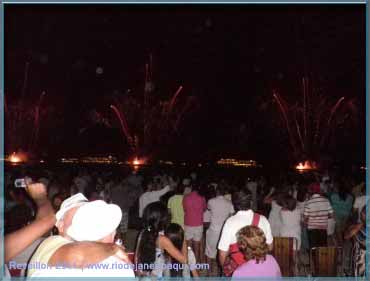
{"x":80,"y":254}
{"x":163,"y":241}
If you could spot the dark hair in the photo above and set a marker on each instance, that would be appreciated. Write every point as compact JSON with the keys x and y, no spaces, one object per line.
{"x":155,"y":219}
{"x":56,"y":196}
{"x":165,"y":197}
{"x":195,"y":187}
{"x":242,"y":200}
{"x":280,"y":197}
{"x":175,"y":233}
{"x":301,"y":194}
{"x":290,"y":203}
{"x":221,"y":190}
{"x":179,"y":189}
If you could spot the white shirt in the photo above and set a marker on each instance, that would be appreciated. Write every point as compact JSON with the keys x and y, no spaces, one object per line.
{"x":110,"y":267}
{"x":220,"y":209}
{"x":275,"y":218}
{"x":207,"y":216}
{"x":359,"y":203}
{"x":291,"y":224}
{"x":238,"y":221}
{"x":149,"y":197}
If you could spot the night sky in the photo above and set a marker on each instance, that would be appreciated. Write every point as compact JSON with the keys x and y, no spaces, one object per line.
{"x":230,"y":57}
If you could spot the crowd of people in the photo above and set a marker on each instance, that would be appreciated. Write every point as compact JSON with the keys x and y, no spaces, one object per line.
{"x":69,"y":221}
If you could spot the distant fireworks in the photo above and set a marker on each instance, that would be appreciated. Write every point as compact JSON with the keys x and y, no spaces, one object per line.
{"x":310,"y":123}
{"x":147,"y":120}
{"x":23,"y":116}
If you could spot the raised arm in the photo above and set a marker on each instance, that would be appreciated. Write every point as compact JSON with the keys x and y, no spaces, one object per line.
{"x":18,"y":241}
{"x":163,"y":191}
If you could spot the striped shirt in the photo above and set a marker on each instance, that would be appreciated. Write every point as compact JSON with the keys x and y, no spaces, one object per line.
{"x":317,"y":211}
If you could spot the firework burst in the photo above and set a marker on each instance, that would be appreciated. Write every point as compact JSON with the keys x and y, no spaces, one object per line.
{"x":147,"y":120}
{"x":311,"y":122}
{"x":22,"y":119}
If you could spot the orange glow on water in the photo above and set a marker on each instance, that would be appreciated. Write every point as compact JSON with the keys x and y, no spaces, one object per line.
{"x":138,"y":161}
{"x":307,"y":165}
{"x":17,"y":158}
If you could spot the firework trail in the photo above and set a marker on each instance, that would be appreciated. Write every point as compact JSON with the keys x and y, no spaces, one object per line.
{"x":37,"y":122}
{"x":124,"y":125}
{"x":284,"y":113}
{"x":173,"y":100}
{"x":311,"y":124}
{"x":148,"y":121}
{"x":25,"y":79}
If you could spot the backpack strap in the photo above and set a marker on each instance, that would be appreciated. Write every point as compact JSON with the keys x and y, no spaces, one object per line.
{"x":256,"y":219}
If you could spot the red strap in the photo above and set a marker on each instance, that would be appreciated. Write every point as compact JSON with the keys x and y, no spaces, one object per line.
{"x":256,"y":219}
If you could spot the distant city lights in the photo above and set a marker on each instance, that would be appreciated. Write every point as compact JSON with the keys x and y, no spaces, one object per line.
{"x":238,"y":163}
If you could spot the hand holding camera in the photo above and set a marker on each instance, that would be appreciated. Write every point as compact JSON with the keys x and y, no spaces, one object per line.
{"x":37,"y":191}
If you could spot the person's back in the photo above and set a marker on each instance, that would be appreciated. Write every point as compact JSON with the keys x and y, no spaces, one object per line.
{"x":317,"y":211}
{"x":194,"y":206}
{"x":252,"y":243}
{"x":275,"y":218}
{"x":220,"y":209}
{"x":119,"y":195}
{"x":267,"y":268}
{"x":176,"y":209}
{"x":291,"y":219}
{"x":243,"y":217}
{"x":238,"y":221}
{"x":342,"y":205}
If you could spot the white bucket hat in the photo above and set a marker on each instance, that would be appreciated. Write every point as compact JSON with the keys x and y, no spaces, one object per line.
{"x":94,"y":221}
{"x":69,"y":203}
